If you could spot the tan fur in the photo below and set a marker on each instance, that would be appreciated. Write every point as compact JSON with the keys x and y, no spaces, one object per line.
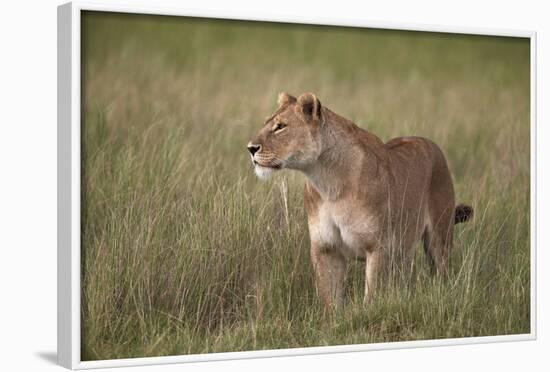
{"x":364,"y":199}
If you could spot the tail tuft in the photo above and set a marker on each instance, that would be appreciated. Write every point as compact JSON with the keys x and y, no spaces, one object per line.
{"x":463,"y":213}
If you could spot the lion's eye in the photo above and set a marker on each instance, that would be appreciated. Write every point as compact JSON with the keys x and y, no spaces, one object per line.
{"x":279,"y":127}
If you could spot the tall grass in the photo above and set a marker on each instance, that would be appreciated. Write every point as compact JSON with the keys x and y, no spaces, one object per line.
{"x":184,"y":251}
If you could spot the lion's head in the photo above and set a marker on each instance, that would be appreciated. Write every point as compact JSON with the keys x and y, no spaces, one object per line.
{"x":290,"y":138}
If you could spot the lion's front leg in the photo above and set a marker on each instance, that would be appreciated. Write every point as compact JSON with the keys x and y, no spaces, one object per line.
{"x":330,"y":269}
{"x":374,"y":270}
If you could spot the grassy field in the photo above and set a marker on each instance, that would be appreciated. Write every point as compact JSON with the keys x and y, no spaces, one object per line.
{"x":185,"y":251}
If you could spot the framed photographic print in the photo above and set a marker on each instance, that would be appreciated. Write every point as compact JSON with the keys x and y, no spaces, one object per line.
{"x":243,"y":186}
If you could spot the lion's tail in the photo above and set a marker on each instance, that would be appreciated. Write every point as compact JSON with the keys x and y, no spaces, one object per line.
{"x":463,"y":213}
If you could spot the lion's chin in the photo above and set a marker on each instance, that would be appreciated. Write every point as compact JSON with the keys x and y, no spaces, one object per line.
{"x":264,"y":173}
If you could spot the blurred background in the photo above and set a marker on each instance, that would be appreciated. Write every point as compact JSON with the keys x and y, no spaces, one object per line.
{"x":185,"y":251}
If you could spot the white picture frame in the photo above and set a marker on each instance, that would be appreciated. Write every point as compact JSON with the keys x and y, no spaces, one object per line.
{"x":69,"y":98}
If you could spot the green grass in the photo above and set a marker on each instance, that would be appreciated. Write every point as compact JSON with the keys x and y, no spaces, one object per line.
{"x":185,"y":251}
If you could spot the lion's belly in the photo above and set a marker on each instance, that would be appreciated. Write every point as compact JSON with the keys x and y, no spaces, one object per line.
{"x":352,"y":234}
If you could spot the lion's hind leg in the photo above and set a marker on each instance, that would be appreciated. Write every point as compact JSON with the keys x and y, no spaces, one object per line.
{"x":438,"y":241}
{"x":438,"y":234}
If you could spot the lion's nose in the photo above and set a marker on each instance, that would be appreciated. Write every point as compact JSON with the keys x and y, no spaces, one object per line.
{"x":254,"y":148}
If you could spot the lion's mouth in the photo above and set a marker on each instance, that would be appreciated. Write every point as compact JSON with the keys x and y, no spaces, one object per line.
{"x":265,"y":173}
{"x":276,"y":166}
{"x":265,"y":169}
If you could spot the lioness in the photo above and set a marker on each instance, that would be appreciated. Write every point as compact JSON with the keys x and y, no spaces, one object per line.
{"x":364,"y":199}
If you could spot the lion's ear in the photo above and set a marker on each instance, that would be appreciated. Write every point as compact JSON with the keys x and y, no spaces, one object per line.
{"x":285,"y":98}
{"x":310,"y":107}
